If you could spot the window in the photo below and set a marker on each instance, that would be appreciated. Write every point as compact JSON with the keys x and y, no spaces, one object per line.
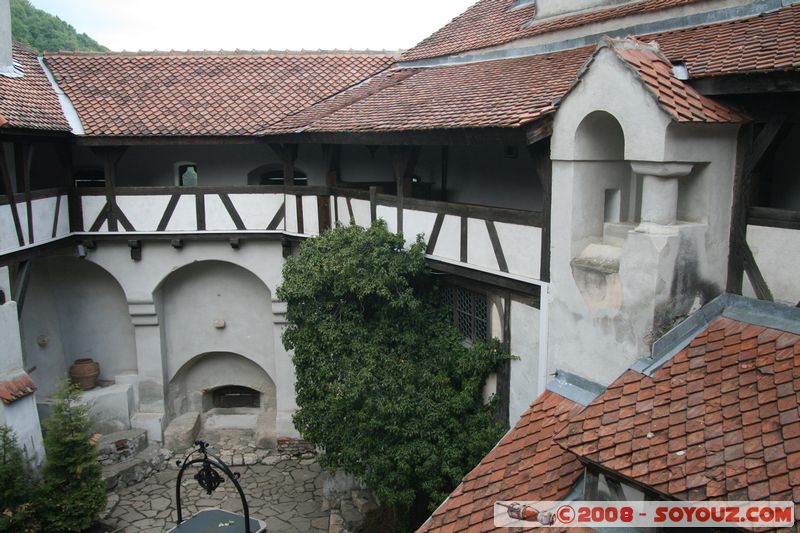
{"x":470,"y":312}
{"x":186,"y":174}
{"x":272,"y":174}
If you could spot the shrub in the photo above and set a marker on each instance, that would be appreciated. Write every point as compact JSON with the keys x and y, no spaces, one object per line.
{"x":17,"y":489}
{"x":73,"y":491}
{"x":385,"y":385}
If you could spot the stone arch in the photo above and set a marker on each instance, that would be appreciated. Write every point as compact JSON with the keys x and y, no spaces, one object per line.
{"x":192,"y":388}
{"x":75,"y":308}
{"x":214,"y":306}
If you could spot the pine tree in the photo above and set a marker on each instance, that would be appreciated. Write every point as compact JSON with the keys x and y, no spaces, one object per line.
{"x":17,"y":489}
{"x":73,"y":486}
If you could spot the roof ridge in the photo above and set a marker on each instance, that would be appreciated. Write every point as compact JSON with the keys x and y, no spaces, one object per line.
{"x":226,"y":53}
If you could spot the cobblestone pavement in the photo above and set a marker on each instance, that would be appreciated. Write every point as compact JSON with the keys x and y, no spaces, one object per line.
{"x":283,"y":491}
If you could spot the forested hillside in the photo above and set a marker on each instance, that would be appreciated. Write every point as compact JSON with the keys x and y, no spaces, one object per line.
{"x":47,"y":33}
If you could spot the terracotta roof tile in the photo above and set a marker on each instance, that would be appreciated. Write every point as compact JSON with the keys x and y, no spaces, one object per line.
{"x":525,"y":465}
{"x":734,"y":446}
{"x":513,"y":92}
{"x":29,"y":102}
{"x":493,"y":22}
{"x":201,"y":94}
{"x":16,"y":388}
{"x":505,"y":93}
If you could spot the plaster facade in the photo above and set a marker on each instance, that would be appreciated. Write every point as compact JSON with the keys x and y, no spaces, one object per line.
{"x":640,"y":221}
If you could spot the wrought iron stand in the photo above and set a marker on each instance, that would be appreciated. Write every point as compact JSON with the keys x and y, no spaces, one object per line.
{"x":209,"y":479}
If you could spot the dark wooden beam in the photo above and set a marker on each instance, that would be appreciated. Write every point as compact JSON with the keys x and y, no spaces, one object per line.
{"x":544,"y":170}
{"x":75,"y":204}
{"x":497,"y":246}
{"x":232,"y":212}
{"x":773,"y":218}
{"x":755,"y":151}
{"x":170,"y":209}
{"x":469,"y":137}
{"x":332,"y":155}
{"x":404,"y":161}
{"x":6,"y":176}
{"x":278,"y":218}
{"x":56,"y":214}
{"x":504,"y":368}
{"x":434,"y":236}
{"x":111,"y":156}
{"x":486,"y":278}
{"x":21,"y":285}
{"x":754,"y":274}
{"x":539,"y":130}
{"x":287,"y":153}
{"x":772,"y":82}
{"x":23,"y":152}
{"x":464,"y":240}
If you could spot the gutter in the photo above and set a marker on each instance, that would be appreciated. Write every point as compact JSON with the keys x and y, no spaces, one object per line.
{"x":69,"y":111}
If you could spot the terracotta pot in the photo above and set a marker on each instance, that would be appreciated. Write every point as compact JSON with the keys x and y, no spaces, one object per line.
{"x":84,"y":372}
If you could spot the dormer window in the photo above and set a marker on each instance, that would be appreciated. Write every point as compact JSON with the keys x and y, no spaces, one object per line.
{"x":186,"y":174}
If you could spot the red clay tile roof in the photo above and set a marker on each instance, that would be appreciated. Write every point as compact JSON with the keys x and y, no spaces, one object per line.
{"x":525,"y":465}
{"x":720,"y":420}
{"x":201,"y":94}
{"x":492,"y":22}
{"x":507,"y":93}
{"x":765,"y":43}
{"x":680,"y":100}
{"x":514,"y":92}
{"x":17,"y":388}
{"x":29,"y":102}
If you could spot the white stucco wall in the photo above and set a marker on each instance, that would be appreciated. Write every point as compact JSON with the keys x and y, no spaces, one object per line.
{"x":610,"y":300}
{"x":79,"y":310}
{"x":777,"y":252}
{"x":525,"y":386}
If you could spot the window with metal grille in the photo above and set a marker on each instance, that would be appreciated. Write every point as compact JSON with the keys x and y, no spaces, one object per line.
{"x":470,"y":312}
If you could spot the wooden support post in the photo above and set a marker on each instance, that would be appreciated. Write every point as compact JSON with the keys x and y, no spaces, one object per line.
{"x":111,"y":156}
{"x":445,"y":170}
{"x":6,"y":176}
{"x":404,"y":161}
{"x":331,"y":154}
{"x":22,"y":164}
{"x":740,"y":258}
{"x":545,"y":172}
{"x":75,"y":204}
{"x":21,"y":285}
{"x":287,"y":153}
{"x":504,"y":369}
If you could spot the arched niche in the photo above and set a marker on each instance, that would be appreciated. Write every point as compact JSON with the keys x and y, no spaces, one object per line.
{"x":74,"y":308}
{"x":599,"y":137}
{"x":214,"y":306}
{"x":197,"y":384}
{"x":199,"y":380}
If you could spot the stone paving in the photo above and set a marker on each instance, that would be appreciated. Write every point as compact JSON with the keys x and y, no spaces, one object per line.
{"x":285,"y":491}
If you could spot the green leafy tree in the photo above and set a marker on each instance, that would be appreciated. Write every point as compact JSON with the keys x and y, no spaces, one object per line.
{"x":47,"y":33}
{"x":17,"y":489}
{"x":385,"y":385}
{"x":73,"y":491}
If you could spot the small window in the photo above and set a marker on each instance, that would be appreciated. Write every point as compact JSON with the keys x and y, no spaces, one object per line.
{"x":186,"y":174}
{"x":470,"y":312}
{"x":272,"y":174}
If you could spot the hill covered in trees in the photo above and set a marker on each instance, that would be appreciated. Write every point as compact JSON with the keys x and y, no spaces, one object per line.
{"x":47,"y":33}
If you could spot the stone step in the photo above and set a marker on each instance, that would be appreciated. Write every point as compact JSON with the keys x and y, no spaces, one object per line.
{"x":148,"y":461}
{"x":121,"y":446}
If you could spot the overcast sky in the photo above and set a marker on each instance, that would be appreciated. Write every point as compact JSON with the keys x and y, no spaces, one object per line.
{"x":255,"y":24}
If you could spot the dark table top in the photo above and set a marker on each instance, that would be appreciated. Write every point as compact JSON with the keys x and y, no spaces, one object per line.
{"x":217,"y":521}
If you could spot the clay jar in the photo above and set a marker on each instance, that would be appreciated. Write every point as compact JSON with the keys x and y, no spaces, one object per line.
{"x":84,"y":372}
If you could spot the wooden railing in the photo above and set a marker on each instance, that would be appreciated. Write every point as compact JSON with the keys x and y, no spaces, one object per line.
{"x":498,"y":240}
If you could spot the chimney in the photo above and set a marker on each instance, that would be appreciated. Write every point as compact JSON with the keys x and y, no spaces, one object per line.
{"x":6,"y":61}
